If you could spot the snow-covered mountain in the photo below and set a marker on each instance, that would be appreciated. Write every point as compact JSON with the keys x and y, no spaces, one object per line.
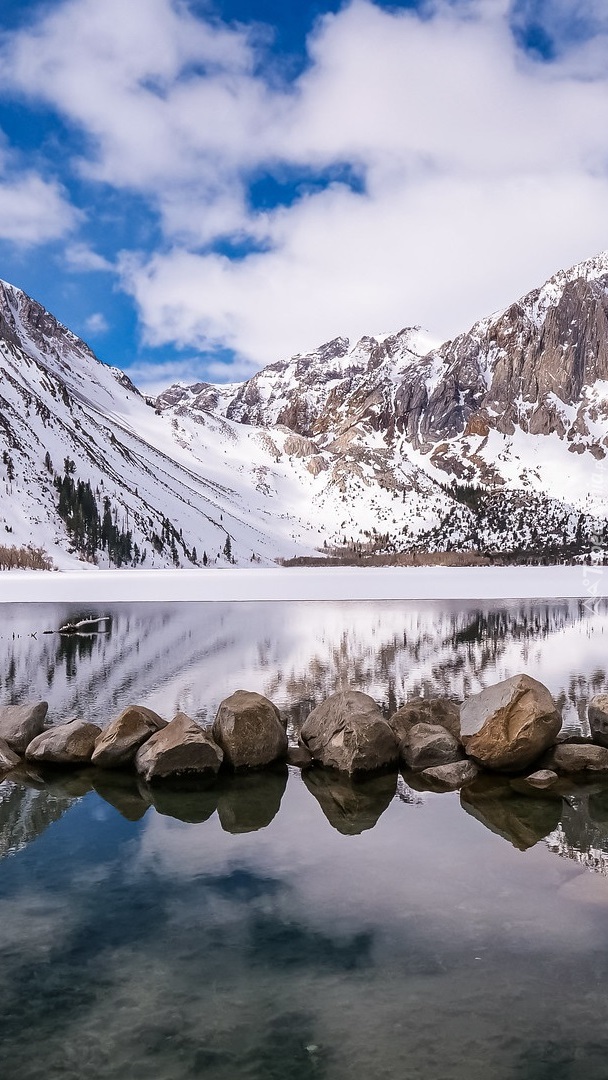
{"x":494,"y":441}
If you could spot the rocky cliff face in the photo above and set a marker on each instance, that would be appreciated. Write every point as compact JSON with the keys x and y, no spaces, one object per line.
{"x":538,"y":366}
{"x":494,"y":441}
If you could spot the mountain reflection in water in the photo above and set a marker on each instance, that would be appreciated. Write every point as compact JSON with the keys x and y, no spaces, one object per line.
{"x":190,"y":656}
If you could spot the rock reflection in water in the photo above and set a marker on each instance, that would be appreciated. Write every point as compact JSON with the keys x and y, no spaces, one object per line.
{"x":249,"y":801}
{"x":351,"y":805}
{"x":521,"y":820}
{"x":122,"y":790}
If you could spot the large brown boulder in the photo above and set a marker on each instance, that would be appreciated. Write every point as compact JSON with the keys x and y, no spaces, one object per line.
{"x":348,"y":732}
{"x":64,"y":744}
{"x":598,"y":719}
{"x":509,"y":725}
{"x":8,"y":758}
{"x":438,"y":711}
{"x":19,"y":724}
{"x":427,"y":745}
{"x":179,"y":748}
{"x":118,"y":744}
{"x":249,"y":729}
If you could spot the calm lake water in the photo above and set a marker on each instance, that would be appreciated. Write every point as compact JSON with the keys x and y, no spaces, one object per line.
{"x":281,"y":926}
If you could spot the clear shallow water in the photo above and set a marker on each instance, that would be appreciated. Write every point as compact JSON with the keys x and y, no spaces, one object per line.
{"x":279,"y":941}
{"x":299,"y":926}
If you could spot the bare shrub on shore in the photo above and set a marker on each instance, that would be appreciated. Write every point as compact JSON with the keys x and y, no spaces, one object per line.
{"x":24,"y":558}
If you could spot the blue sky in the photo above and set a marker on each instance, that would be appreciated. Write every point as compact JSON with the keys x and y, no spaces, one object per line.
{"x":202,"y":188}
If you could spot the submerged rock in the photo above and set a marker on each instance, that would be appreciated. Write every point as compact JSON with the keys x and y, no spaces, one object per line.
{"x":451,"y":777}
{"x":19,"y":724}
{"x":427,"y":745}
{"x":249,"y":729}
{"x":437,"y":711}
{"x":8,"y":758}
{"x":509,"y":725}
{"x":179,"y":747}
{"x":351,"y":805}
{"x":118,"y":744}
{"x":64,"y":744}
{"x":598,"y":719}
{"x":348,"y":732}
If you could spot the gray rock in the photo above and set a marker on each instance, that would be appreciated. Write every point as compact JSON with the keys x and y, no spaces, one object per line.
{"x":452,"y":776}
{"x":542,"y":778}
{"x":428,"y":745}
{"x":250,"y":731}
{"x":179,"y":748}
{"x":8,"y":758}
{"x":349,"y":733}
{"x":576,"y":758}
{"x":19,"y":724}
{"x":598,"y":719}
{"x":64,"y":744}
{"x":508,"y":726}
{"x":438,"y":711}
{"x":118,"y":744}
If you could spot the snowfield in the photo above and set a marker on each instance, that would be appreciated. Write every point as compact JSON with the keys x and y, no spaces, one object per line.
{"x":304,"y":583}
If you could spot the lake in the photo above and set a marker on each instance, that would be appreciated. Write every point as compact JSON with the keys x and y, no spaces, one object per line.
{"x":286,"y":926}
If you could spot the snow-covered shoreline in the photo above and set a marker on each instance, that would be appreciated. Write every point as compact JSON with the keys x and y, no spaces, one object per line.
{"x":298,"y":583}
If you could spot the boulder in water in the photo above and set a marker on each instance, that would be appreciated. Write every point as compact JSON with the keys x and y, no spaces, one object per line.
{"x":348,"y":732}
{"x":250,"y":731}
{"x":64,"y":744}
{"x":19,"y":724}
{"x":118,"y":744}
{"x":508,"y":726}
{"x":179,"y":748}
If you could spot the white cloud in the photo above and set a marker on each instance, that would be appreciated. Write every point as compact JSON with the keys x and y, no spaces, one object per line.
{"x":82,"y":257}
{"x":97,"y":323}
{"x":33,"y":210}
{"x":483,"y":171}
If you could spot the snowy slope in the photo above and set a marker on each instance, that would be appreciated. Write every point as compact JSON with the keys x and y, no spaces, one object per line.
{"x":351,"y":446}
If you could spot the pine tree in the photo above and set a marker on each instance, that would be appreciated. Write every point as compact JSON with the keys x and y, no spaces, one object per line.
{"x":228,"y":548}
